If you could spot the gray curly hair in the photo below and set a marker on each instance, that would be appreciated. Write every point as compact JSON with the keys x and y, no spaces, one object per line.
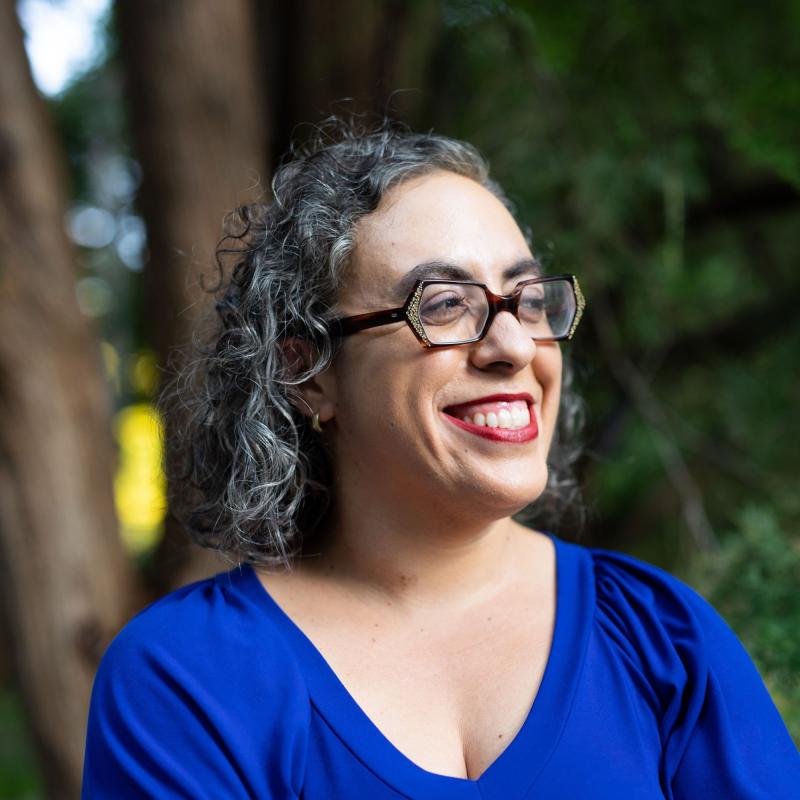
{"x":246,"y":475}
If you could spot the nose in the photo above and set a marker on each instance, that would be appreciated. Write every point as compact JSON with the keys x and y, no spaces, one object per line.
{"x":506,"y":345}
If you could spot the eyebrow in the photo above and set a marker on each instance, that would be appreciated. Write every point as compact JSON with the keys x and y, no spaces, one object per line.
{"x":445,"y":269}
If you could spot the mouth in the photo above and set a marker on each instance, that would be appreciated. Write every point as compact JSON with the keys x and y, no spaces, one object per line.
{"x":499,"y":417}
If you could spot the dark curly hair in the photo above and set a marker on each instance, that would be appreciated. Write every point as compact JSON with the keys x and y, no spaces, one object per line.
{"x":247,"y":477}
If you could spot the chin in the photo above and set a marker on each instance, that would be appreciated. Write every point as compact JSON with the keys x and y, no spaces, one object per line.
{"x":510,"y":498}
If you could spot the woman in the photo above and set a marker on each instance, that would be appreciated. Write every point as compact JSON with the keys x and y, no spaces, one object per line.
{"x":379,"y":403}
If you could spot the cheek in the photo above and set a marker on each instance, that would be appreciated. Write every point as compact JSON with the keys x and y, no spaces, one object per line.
{"x":392,"y":392}
{"x":549,"y":373}
{"x":375,"y":384}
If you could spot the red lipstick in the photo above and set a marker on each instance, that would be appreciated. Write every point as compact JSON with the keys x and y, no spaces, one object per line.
{"x":514,"y":436}
{"x":491,"y":398}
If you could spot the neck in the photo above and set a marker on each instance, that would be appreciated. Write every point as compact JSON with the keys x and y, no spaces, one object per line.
{"x":416,"y":555}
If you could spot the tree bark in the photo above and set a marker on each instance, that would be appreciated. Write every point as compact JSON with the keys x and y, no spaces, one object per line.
{"x":351,"y":56}
{"x":203,"y":133}
{"x":198,"y":117}
{"x":66,"y":584}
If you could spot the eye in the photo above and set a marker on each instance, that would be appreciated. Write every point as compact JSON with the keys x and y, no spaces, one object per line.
{"x":532,"y":304}
{"x":443,"y":306}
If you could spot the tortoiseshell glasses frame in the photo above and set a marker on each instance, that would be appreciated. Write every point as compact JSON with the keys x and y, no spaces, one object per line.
{"x":409,"y":312}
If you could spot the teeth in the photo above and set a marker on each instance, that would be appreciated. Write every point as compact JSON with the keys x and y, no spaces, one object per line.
{"x":504,"y":418}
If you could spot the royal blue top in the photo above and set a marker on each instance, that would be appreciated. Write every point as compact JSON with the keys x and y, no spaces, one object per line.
{"x":214,"y":692}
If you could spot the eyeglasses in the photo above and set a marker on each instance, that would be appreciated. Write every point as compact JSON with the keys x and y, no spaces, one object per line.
{"x":445,"y":313}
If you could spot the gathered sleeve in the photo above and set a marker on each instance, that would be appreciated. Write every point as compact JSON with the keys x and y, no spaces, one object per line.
{"x":721,"y":734}
{"x":190,"y":701}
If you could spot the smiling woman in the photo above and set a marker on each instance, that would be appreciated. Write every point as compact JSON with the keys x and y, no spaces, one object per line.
{"x":384,"y":395}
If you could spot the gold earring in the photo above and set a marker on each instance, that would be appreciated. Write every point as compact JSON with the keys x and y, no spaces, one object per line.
{"x":315,"y":424}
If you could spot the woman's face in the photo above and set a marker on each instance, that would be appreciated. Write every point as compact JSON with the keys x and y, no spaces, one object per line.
{"x":392,"y":431}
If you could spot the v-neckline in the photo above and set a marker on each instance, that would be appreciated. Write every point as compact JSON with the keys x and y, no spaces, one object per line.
{"x":520,"y":763}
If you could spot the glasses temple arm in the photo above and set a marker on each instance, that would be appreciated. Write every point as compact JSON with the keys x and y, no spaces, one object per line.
{"x":372,"y":319}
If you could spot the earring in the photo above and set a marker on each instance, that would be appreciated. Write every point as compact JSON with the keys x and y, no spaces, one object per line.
{"x":315,"y":424}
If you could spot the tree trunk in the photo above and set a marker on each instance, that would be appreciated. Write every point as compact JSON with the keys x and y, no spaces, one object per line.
{"x":203,"y":135}
{"x":66,"y":584}
{"x":354,"y":55}
{"x":192,"y":71}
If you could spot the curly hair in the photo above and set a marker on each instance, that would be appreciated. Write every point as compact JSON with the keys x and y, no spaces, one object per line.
{"x":246,"y":475}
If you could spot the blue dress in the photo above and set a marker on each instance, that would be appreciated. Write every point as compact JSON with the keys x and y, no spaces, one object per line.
{"x":213,"y":692}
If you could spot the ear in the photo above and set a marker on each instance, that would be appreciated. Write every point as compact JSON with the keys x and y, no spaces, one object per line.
{"x":318,"y":393}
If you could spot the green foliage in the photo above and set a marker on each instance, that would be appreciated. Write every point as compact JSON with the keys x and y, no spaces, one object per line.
{"x":753,"y":582}
{"x":652,"y":148}
{"x":18,"y":776}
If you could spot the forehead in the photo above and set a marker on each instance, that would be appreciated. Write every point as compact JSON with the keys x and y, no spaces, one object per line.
{"x":440,"y":217}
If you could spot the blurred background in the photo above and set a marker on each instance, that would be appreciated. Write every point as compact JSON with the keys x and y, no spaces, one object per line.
{"x":652,"y":147}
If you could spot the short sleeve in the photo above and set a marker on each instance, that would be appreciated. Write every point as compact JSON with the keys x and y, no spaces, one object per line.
{"x":193,"y":701}
{"x":721,"y":734}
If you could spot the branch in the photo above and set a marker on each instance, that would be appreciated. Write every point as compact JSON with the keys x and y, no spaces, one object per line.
{"x":644,"y":399}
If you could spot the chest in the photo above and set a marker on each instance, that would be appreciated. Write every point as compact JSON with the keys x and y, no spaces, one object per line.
{"x":451,"y":691}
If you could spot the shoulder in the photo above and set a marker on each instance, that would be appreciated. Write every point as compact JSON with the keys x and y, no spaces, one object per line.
{"x":207,"y":643}
{"x":194,"y":696}
{"x":717,"y":719}
{"x":631,"y":593}
{"x":222,"y":617}
{"x":619,"y":573}
{"x":661,"y":620}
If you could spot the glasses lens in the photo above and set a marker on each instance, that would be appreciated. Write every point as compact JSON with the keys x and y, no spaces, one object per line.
{"x":546,"y":310}
{"x":452,"y":312}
